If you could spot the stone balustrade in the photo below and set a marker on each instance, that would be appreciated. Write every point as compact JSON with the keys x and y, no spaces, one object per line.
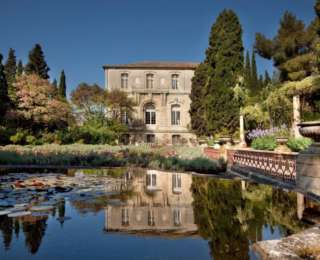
{"x":274,"y":164}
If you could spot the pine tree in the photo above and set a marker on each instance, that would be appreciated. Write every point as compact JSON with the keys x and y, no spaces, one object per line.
{"x":225,"y":57}
{"x":62,"y":89}
{"x":254,"y":85}
{"x":37,"y":63}
{"x":19,"y":68}
{"x":10,"y":69}
{"x":197,"y":96}
{"x":291,"y":41}
{"x":4,"y":98}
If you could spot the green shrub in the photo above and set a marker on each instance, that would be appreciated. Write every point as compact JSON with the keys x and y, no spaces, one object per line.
{"x":19,"y":137}
{"x":30,"y":139}
{"x":104,"y":155}
{"x":268,"y":143}
{"x":5,"y":134}
{"x":299,"y":144}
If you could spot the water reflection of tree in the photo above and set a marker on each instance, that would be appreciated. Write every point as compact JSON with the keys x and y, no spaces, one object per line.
{"x":216,"y":205}
{"x":6,"y":227}
{"x":32,"y":227}
{"x":231,"y":218}
{"x":34,"y":232}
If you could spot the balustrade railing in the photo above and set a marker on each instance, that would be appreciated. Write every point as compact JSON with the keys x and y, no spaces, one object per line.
{"x":278,"y":165}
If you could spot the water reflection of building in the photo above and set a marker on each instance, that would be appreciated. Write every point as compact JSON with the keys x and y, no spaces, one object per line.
{"x":162,"y":202}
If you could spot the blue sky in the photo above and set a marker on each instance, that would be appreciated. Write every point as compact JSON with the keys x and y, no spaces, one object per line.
{"x":80,"y":36}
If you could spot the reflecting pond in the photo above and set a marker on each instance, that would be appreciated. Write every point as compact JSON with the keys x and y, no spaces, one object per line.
{"x":142,"y":214}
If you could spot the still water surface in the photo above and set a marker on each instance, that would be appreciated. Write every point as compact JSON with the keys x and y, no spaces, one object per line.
{"x":146,"y":214}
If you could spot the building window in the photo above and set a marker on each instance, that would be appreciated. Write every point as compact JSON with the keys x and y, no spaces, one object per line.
{"x":175,"y":81}
{"x":150,"y":115}
{"x":176,"y":139}
{"x":151,"y":180}
{"x":176,"y":183}
{"x":125,"y":139}
{"x":177,"y":217}
{"x":151,"y":221}
{"x":149,"y":81}
{"x":125,"y":216}
{"x":151,"y":139}
{"x":124,"y":118}
{"x":175,"y":115}
{"x":124,"y":80}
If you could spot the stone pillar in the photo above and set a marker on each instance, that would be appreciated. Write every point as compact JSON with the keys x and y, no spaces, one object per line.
{"x":242,"y":137}
{"x":296,"y":116}
{"x":300,"y":205}
{"x":243,"y":186}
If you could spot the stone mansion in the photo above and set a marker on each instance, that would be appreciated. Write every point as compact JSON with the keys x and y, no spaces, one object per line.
{"x":161,"y":93}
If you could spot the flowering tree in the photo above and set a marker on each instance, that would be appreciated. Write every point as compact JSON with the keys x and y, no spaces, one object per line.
{"x":38,"y":104}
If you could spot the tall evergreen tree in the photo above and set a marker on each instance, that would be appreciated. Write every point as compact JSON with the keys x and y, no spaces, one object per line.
{"x":4,"y":98}
{"x":62,"y":89}
{"x":197,"y":96}
{"x":55,"y":83}
{"x":37,"y":63}
{"x":19,"y":68}
{"x":247,"y":72}
{"x":254,"y":86}
{"x":225,"y":57}
{"x":267,"y":78}
{"x":10,"y":69}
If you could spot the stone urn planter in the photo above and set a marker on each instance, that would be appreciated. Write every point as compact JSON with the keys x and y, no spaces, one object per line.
{"x":308,"y":161}
{"x":311,"y":130}
{"x":225,"y":140}
{"x":281,"y":140}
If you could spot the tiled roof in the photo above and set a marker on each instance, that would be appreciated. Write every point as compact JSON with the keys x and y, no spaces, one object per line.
{"x":153,"y":65}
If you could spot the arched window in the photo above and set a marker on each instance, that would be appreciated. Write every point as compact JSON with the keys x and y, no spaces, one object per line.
{"x":150,"y":115}
{"x":175,"y":81}
{"x":175,"y":115}
{"x":149,"y":81}
{"x":124,"y":80}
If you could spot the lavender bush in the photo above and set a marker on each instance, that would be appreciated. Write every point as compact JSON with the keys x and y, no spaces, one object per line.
{"x":281,"y":131}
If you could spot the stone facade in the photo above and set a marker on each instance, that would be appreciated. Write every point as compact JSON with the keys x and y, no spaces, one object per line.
{"x":161,"y":91}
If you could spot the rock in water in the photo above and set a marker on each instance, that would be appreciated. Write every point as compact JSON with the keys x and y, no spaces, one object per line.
{"x":19,"y":214}
{"x":4,"y":212}
{"x":41,"y":208}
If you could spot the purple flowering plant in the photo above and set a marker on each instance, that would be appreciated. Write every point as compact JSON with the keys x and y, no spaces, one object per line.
{"x":281,"y":131}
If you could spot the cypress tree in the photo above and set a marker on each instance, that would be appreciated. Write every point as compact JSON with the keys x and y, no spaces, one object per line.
{"x":37,"y":63}
{"x":254,"y":86}
{"x":260,"y":82}
{"x":197,"y":96}
{"x":10,"y":69}
{"x":267,"y":78}
{"x":225,"y":56}
{"x":4,"y":98}
{"x":19,"y":68}
{"x":247,"y":72}
{"x":62,"y":89}
{"x":55,"y":83}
